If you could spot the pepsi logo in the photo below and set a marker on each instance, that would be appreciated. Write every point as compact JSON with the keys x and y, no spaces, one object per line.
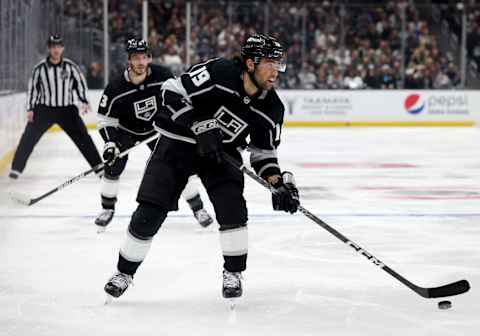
{"x":414,"y":104}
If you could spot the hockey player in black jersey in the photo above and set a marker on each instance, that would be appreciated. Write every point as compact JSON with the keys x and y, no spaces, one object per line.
{"x":125,"y":117}
{"x":212,"y":108}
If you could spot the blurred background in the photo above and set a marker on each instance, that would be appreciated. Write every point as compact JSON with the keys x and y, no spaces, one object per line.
{"x":331,"y":44}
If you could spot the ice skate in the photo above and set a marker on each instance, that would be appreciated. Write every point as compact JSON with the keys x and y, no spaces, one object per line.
{"x":232,"y":284}
{"x":117,"y":285}
{"x":203,"y":218}
{"x":103,"y":219}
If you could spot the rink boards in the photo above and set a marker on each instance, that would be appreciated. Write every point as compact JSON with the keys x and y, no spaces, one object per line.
{"x":309,"y":108}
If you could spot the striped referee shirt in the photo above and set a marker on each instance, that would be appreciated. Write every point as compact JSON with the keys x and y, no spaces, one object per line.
{"x":54,"y":84}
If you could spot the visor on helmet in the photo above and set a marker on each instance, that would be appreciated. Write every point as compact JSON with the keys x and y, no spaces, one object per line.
{"x":278,"y":64}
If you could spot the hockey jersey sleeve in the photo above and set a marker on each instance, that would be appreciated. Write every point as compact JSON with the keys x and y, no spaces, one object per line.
{"x":264,"y":140}
{"x":33,"y":93}
{"x":108,"y":119}
{"x":187,"y":97}
{"x":79,"y":84}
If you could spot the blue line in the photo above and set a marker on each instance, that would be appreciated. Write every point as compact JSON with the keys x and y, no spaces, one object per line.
{"x":439,"y":215}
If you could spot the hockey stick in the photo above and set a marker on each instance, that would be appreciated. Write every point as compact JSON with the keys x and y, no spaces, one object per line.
{"x":26,"y":200}
{"x":454,"y":288}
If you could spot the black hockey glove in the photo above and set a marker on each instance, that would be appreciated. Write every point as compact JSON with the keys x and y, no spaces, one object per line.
{"x":110,"y":152}
{"x":209,"y":140}
{"x":285,"y":196}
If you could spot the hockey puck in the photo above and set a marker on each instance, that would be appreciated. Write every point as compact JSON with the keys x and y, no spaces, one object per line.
{"x":444,"y":305}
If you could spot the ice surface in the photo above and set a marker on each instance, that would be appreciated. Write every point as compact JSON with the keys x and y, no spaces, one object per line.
{"x":409,"y":196}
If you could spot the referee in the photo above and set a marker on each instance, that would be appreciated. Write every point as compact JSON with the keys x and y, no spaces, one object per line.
{"x":50,"y":100}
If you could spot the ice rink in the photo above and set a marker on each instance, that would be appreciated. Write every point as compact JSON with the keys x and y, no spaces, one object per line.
{"x":410,"y":196}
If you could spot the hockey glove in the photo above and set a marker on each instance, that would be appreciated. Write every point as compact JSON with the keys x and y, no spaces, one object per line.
{"x":209,"y":140}
{"x":285,"y":196}
{"x":110,"y":152}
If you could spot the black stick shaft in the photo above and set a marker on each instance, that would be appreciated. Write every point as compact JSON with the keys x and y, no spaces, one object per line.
{"x":96,"y":168}
{"x":451,"y":289}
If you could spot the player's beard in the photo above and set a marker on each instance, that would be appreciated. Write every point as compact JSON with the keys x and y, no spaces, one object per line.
{"x":265,"y":84}
{"x":138,"y":70}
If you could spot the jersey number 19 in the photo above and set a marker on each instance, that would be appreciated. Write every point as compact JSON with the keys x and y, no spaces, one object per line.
{"x":200,"y":76}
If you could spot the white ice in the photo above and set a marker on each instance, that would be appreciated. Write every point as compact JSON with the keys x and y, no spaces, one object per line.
{"x":411,"y":197}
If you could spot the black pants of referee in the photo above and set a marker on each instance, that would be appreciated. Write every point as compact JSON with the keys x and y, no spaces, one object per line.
{"x":44,"y":117}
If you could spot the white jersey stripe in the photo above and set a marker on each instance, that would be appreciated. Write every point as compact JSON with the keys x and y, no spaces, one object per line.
{"x":52,"y":85}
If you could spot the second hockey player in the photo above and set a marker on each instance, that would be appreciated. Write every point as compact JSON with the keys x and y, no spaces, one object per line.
{"x":125,"y":117}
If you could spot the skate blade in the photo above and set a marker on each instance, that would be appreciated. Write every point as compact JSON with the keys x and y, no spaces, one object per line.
{"x":101,"y":229}
{"x":108,"y":299}
{"x":232,"y":303}
{"x":232,"y":312}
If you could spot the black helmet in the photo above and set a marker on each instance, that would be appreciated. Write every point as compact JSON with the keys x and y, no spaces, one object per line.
{"x":54,"y":39}
{"x":260,"y":46}
{"x":137,"y":46}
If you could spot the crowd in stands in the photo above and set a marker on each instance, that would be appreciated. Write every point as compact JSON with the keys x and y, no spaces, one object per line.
{"x":329,"y":46}
{"x":452,"y":15}
{"x":364,"y":50}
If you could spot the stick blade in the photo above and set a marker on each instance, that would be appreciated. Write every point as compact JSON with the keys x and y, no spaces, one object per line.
{"x":455,"y":288}
{"x":20,"y":198}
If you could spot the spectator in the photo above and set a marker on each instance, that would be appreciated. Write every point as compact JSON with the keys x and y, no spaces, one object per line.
{"x":473,"y":43}
{"x":387,"y":79}
{"x":372,"y":79}
{"x":417,"y":78}
{"x":321,"y":81}
{"x":307,"y":77}
{"x":94,"y":76}
{"x":364,"y":36}
{"x":453,"y":74}
{"x":172,"y":60}
{"x":353,"y":80}
{"x":335,"y":80}
{"x":441,"y":80}
{"x":155,"y":44}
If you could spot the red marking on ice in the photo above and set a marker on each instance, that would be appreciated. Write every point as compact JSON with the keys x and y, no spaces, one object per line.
{"x":422,"y":188}
{"x":439,"y":198}
{"x":356,"y":165}
{"x":396,"y":165}
{"x":426,"y":193}
{"x":379,"y":188}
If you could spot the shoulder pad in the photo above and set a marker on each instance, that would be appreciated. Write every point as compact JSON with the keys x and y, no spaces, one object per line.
{"x":160,"y":72}
{"x":225,"y":72}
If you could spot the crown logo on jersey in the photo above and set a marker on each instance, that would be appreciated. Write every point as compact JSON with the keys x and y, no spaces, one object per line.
{"x":145,"y":109}
{"x":230,"y":124}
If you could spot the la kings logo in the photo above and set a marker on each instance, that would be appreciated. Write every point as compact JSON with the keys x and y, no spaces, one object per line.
{"x":145,"y":109}
{"x":230,"y":124}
